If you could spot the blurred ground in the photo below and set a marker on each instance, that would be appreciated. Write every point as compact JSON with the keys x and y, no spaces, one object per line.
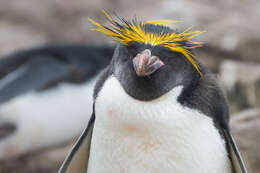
{"x":232,"y":34}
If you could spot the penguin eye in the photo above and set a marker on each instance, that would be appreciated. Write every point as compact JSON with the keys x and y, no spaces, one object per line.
{"x":133,"y":45}
{"x":167,"y":53}
{"x":132,"y":49}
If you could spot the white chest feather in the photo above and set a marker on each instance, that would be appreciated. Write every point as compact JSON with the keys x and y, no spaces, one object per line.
{"x":158,"y":136}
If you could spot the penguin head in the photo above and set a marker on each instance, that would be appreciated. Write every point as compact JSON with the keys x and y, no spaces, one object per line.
{"x":151,"y":58}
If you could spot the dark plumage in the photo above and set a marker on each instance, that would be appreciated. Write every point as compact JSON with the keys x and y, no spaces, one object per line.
{"x":47,"y":84}
{"x":200,"y":92}
{"x":44,"y":67}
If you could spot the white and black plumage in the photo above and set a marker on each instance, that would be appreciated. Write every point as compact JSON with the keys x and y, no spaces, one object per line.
{"x":45,"y":95}
{"x":155,"y":110}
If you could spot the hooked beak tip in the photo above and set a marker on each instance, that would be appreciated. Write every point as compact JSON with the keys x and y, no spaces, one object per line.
{"x":145,"y":64}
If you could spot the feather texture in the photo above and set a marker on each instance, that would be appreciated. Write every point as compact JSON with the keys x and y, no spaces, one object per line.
{"x":135,"y":31}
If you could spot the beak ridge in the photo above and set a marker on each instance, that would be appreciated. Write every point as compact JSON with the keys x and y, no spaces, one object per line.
{"x":145,"y":64}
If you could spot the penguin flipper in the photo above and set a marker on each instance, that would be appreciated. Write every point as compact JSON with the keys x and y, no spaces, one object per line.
{"x":235,"y":156}
{"x":77,"y":160}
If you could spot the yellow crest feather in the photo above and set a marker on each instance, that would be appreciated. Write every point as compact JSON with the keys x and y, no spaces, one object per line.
{"x":134,"y":31}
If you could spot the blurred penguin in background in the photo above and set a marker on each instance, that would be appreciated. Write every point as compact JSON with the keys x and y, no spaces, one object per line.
{"x":46,"y":95}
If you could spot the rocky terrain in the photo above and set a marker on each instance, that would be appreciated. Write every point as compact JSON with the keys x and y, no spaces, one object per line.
{"x":232,"y":49}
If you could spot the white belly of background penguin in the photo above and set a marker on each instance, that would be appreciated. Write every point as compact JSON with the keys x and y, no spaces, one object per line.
{"x":158,"y":136}
{"x":155,"y":109}
{"x":45,"y":111}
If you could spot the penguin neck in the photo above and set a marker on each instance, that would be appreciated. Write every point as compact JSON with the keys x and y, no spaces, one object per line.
{"x":153,"y":136}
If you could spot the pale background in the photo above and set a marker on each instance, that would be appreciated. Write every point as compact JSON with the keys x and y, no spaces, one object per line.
{"x":232,"y":49}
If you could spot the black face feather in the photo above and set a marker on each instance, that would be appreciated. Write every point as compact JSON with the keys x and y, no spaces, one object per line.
{"x":176,"y":71}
